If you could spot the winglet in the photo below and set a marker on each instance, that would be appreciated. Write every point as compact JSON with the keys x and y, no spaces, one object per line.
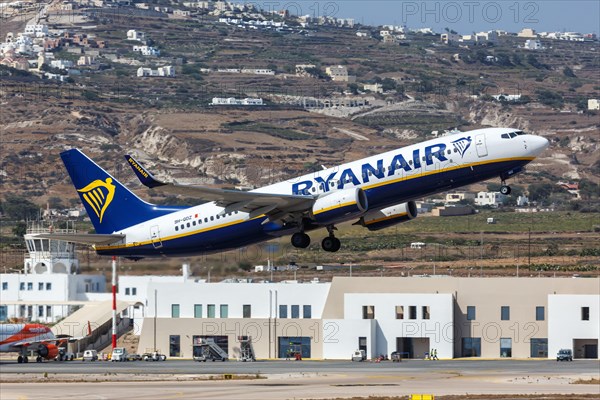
{"x":143,"y":175}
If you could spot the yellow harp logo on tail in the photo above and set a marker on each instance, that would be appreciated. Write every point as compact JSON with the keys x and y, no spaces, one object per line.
{"x":99,"y":195}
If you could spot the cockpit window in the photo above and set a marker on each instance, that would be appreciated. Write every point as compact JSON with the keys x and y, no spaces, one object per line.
{"x":511,"y":135}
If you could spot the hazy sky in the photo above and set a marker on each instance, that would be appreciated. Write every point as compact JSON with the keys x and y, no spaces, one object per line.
{"x":464,"y":16}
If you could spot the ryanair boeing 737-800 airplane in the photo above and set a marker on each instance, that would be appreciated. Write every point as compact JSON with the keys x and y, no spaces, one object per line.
{"x":376,"y":192}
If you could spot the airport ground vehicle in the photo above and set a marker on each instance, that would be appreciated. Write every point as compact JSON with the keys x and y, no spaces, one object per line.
{"x":396,"y":356}
{"x":154,"y":356}
{"x":359,"y":355}
{"x":564,"y":355}
{"x":206,"y":349}
{"x":119,"y":354}
{"x":133,"y":357}
{"x":65,"y":355}
{"x":90,"y":355}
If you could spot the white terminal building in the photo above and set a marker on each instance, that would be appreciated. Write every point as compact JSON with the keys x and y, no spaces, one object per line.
{"x":459,"y":317}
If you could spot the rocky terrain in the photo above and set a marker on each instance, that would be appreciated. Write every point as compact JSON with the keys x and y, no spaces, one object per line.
{"x":169,"y":125}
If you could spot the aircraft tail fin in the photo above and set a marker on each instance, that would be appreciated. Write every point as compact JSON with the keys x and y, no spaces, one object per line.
{"x":110,"y":205}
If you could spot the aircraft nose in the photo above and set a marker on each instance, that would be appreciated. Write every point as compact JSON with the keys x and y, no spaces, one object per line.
{"x":538,"y":144}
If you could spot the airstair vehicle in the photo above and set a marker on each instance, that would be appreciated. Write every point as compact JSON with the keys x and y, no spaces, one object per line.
{"x":207,"y":349}
{"x":246,"y":349}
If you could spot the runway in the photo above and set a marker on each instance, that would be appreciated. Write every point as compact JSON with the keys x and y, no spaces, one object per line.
{"x":291,"y":379}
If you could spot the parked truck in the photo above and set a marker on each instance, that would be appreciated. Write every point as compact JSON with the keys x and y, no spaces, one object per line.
{"x":119,"y":354}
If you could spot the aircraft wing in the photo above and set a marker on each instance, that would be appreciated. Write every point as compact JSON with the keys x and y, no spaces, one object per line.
{"x":232,"y":200}
{"x":31,"y":343}
{"x":83,"y":238}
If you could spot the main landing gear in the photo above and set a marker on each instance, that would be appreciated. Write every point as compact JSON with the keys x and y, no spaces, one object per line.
{"x":300,"y":240}
{"x":330,"y":244}
{"x":505,"y":189}
{"x":22,"y":359}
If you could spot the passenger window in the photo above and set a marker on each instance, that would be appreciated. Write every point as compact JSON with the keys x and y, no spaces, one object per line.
{"x":212,"y":218}
{"x":182,"y":226}
{"x":205,"y":220}
{"x":188,"y":224}
{"x":176,"y":228}
{"x":449,"y":152}
{"x":194,"y":223}
{"x":409,"y":162}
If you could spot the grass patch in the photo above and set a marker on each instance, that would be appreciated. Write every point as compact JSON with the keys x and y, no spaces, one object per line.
{"x":272,"y":130}
{"x":505,"y":222}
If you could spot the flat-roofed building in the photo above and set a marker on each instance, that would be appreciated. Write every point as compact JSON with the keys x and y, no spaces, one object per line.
{"x":459,"y":317}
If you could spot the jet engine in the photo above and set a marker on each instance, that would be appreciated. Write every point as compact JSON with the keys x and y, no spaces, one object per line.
{"x":375,"y":220}
{"x":340,"y":206}
{"x":47,"y":351}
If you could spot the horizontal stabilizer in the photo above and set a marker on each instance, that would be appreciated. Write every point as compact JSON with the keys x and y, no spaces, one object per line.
{"x":83,"y":238}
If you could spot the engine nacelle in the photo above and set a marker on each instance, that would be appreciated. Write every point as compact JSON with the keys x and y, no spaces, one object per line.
{"x":47,"y":350}
{"x":340,"y":206}
{"x":375,"y":220}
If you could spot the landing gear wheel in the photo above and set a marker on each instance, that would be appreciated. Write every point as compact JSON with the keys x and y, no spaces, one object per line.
{"x":38,"y":359}
{"x":20,"y":359}
{"x":300,"y":240}
{"x":25,"y":359}
{"x":338,"y":244}
{"x":331,"y":244}
{"x":505,"y":190}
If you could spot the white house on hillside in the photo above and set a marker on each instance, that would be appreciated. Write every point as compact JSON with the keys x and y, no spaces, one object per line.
{"x":493,"y":199}
{"x":132,"y":34}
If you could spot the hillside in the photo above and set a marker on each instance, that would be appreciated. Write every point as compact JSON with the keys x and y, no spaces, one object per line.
{"x":107,"y":110}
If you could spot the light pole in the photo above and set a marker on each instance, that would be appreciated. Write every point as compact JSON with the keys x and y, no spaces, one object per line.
{"x":114,"y":302}
{"x":155,"y":313}
{"x":529,"y":248}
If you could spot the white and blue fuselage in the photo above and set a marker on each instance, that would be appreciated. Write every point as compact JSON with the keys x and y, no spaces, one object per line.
{"x":387,"y":179}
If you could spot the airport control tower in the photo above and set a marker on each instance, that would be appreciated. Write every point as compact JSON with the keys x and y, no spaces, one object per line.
{"x":50,"y":286}
{"x":46,"y":256}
